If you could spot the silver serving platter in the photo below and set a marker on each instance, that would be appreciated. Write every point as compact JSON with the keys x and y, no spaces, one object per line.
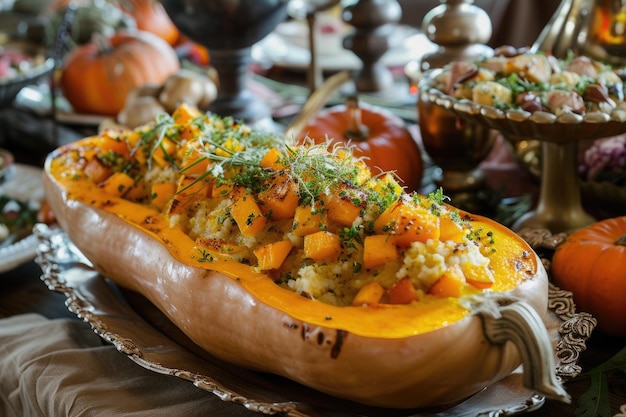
{"x":137,"y":329}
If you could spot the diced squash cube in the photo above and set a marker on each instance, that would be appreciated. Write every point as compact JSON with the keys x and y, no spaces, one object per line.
{"x":271,"y":160}
{"x":479,"y":276}
{"x":118,"y":184}
{"x":322,"y":246}
{"x":183,"y":117}
{"x":194,"y":187}
{"x":450,"y":284}
{"x":112,"y":141}
{"x":138,"y":192}
{"x":188,"y":190}
{"x":97,"y":171}
{"x":195,"y":165}
{"x":450,"y":230}
{"x":133,"y":137}
{"x":403,"y":292}
{"x":280,"y":200}
{"x":272,"y":255}
{"x":162,"y":155}
{"x":222,"y":190}
{"x":378,"y":250}
{"x":190,"y":131}
{"x":248,"y":216}
{"x":184,"y":113}
{"x":345,"y":205}
{"x":161,"y":193}
{"x":369,"y":294}
{"x":408,"y":222}
{"x":307,"y":221}
{"x":140,"y":155}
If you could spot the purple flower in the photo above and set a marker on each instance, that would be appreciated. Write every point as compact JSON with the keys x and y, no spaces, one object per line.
{"x":605,"y":160}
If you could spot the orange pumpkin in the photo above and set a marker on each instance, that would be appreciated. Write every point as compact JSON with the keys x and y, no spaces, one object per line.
{"x":378,"y":135}
{"x":97,"y":76}
{"x":591,"y":263}
{"x":150,"y":15}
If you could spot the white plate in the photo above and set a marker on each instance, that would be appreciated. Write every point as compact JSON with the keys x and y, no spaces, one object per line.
{"x":18,"y":253}
{"x":281,"y":48}
{"x":23,"y":184}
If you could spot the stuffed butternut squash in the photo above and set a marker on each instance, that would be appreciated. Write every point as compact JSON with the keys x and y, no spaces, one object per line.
{"x":296,"y":260}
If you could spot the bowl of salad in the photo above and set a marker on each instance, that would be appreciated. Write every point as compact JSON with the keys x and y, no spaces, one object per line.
{"x":22,"y":63}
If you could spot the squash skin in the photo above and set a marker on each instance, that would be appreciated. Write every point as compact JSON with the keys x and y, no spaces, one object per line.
{"x":429,"y":369}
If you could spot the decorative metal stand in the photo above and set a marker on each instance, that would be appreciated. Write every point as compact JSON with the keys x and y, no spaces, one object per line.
{"x":307,"y":10}
{"x":460,"y":30}
{"x":374,"y":22}
{"x":228,"y":29}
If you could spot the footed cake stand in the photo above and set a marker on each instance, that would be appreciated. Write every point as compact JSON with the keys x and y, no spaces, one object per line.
{"x":559,"y":208}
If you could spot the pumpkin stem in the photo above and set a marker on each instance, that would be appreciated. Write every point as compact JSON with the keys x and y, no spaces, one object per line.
{"x":356,"y":130}
{"x":101,"y":41}
{"x":621,"y":241}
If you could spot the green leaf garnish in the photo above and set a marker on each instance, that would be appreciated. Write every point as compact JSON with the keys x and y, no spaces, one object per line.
{"x":595,"y":401}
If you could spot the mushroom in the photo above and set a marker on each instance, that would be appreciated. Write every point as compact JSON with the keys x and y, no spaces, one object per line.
{"x":186,"y":86}
{"x":141,"y":110}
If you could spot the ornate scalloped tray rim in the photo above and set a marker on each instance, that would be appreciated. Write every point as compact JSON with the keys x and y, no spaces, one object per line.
{"x":538,"y":125}
{"x":93,"y":299}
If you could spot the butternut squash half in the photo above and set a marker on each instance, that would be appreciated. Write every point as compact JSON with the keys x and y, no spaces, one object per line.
{"x":298,"y":261}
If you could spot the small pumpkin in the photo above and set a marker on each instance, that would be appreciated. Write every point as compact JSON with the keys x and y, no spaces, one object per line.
{"x":150,"y":15}
{"x":378,"y":135}
{"x":97,"y":77}
{"x":591,"y":263}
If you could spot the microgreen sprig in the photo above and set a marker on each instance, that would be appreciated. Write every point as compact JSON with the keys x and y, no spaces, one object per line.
{"x":317,"y":171}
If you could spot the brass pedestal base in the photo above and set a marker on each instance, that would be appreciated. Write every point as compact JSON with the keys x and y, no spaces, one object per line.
{"x":559,"y":208}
